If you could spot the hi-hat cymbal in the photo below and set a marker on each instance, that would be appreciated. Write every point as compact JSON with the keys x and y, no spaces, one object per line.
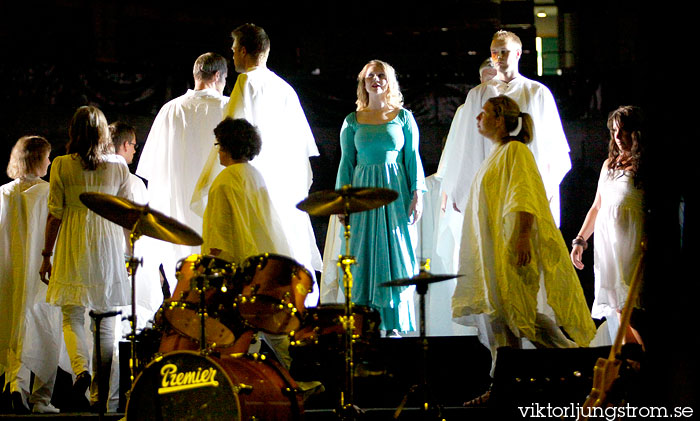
{"x":154,"y":224}
{"x":420,"y":279}
{"x":346,"y":200}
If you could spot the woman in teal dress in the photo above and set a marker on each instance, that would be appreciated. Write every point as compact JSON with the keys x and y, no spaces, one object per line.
{"x":379,"y":145}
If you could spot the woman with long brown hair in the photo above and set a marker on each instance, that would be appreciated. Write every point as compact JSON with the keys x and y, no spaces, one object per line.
{"x":617,"y":217}
{"x":88,"y":270}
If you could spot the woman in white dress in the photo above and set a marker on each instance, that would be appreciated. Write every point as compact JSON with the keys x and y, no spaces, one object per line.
{"x":30,"y":336}
{"x":88,"y":271}
{"x":617,"y":218}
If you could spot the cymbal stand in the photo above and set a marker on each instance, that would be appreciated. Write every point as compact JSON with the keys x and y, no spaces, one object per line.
{"x":132,"y":265}
{"x":429,"y":410}
{"x":347,"y":408}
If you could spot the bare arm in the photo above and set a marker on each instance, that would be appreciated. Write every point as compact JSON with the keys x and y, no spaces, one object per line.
{"x":585,"y":232}
{"x":52,"y":226}
{"x":521,"y":238}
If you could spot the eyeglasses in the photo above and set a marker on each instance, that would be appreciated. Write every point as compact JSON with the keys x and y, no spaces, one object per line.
{"x":134,"y":144}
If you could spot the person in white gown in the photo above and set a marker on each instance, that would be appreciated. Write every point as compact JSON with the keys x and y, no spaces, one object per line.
{"x":175,"y":152}
{"x":518,"y":283}
{"x":30,"y":329}
{"x":88,"y":270}
{"x":466,"y":149}
{"x":149,"y":293}
{"x":438,"y":240}
{"x":617,"y":217}
{"x":268,"y":102}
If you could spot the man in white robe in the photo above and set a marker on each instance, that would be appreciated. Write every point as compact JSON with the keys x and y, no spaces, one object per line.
{"x":466,"y":149}
{"x":176,"y":150}
{"x":149,"y":293}
{"x":268,"y":102}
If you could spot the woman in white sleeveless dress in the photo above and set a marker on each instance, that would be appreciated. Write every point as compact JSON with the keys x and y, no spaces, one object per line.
{"x":617,"y":218}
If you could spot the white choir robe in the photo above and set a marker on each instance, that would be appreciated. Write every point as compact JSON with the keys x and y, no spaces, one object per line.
{"x":31,"y":337}
{"x":465,"y":149}
{"x":173,"y":157}
{"x":268,"y":102}
{"x":437,"y":243}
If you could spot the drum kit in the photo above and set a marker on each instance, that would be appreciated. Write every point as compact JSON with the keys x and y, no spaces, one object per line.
{"x":217,"y":308}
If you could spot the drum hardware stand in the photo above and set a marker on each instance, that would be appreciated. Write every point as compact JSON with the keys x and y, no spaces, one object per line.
{"x":98,"y":377}
{"x":429,"y":409}
{"x":347,"y":409}
{"x":200,"y":284}
{"x":344,"y":201}
{"x":132,"y":264}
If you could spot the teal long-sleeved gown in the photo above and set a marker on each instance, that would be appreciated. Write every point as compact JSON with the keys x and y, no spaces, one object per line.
{"x":385,"y":156}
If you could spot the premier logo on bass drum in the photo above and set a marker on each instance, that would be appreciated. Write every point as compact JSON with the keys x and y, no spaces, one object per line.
{"x":172,"y":381}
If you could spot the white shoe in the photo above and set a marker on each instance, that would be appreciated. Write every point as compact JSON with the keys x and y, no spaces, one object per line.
{"x":40,"y":408}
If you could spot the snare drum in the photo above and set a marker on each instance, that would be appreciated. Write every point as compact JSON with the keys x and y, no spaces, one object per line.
{"x":273,"y":293}
{"x":214,"y":277}
{"x":186,"y":385}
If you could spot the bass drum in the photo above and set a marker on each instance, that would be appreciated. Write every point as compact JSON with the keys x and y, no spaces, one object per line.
{"x":185,"y":385}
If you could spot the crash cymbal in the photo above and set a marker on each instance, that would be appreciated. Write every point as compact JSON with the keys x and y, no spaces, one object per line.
{"x":420,"y":279}
{"x":346,"y":200}
{"x":125,"y":213}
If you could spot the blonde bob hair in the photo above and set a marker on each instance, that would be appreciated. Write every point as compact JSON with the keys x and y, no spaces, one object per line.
{"x":26,"y":156}
{"x":394,"y":97}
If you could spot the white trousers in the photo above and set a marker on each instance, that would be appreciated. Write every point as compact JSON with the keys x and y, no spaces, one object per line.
{"x":78,"y":345}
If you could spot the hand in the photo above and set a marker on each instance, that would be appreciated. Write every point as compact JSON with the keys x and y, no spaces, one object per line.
{"x":341,"y":218}
{"x":45,"y":270}
{"x":415,"y":210}
{"x":523,"y":253}
{"x":454,"y":206}
{"x":576,"y":253}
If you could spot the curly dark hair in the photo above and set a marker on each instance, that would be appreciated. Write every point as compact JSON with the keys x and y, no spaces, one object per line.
{"x":238,"y":138}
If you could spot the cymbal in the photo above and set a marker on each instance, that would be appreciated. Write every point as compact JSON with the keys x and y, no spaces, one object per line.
{"x":126,"y":213}
{"x":346,"y":200}
{"x":421,"y":279}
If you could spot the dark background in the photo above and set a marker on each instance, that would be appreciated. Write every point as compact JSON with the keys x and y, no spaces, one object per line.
{"x":130,"y":57}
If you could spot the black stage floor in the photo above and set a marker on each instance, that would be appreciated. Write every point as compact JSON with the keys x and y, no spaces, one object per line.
{"x":457,"y":370}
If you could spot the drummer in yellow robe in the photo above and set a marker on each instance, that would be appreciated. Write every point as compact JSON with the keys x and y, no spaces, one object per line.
{"x":239,"y":220}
